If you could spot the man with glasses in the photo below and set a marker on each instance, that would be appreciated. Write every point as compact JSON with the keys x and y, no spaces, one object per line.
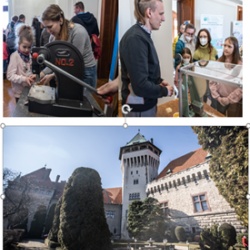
{"x":187,"y":40}
{"x":142,"y":84}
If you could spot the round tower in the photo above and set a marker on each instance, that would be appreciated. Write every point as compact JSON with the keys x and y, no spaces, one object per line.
{"x":140,"y":160}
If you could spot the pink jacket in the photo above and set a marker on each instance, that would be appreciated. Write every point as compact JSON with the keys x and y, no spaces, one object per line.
{"x":225,"y":94}
{"x":17,"y":72}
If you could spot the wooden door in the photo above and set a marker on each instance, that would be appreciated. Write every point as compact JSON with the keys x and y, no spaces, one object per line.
{"x":185,"y":11}
{"x":239,"y":13}
{"x":109,"y":15}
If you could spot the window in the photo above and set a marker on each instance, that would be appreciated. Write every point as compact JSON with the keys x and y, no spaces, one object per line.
{"x":134,"y":196}
{"x":164,"y":207}
{"x":200,"y":203}
{"x":136,"y":182}
{"x":110,"y":214}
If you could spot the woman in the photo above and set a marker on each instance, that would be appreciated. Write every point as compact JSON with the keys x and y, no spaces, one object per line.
{"x":204,"y":50}
{"x":62,"y":29}
{"x":226,"y":95}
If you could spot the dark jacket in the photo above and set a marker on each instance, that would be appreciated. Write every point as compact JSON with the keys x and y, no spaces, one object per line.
{"x":88,"y":21}
{"x":140,"y":67}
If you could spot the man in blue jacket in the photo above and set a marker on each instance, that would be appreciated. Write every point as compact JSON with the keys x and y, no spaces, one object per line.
{"x":142,"y":84}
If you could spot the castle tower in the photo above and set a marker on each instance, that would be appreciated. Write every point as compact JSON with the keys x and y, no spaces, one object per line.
{"x":139,"y":164}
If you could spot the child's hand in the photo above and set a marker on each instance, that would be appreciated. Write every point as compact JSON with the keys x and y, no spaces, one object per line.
{"x":30,"y":79}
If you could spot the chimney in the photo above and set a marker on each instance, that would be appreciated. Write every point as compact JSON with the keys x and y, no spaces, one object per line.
{"x":152,"y":140}
{"x":57,"y":178}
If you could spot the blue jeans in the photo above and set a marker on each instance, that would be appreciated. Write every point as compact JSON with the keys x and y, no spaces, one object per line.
{"x":90,"y":76}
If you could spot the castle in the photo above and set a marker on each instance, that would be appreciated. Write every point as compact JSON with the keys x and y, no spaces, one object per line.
{"x":183,"y":188}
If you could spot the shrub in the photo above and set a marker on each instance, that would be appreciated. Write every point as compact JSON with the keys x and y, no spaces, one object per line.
{"x":180,"y":233}
{"x":228,"y":234}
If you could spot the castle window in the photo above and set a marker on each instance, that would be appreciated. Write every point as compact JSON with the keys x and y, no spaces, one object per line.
{"x":110,"y":214}
{"x":134,"y":196}
{"x":183,"y":181}
{"x":199,"y":176}
{"x":188,"y":179}
{"x":136,"y":181}
{"x":170,"y":184}
{"x":174,"y":182}
{"x":162,"y":187}
{"x":200,"y":203}
{"x":194,"y":178}
{"x":206,"y":174}
{"x":131,"y":172}
{"x":178,"y":182}
{"x":164,"y":207}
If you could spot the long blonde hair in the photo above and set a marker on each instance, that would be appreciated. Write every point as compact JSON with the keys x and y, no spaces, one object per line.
{"x":140,"y":8}
{"x":55,"y":13}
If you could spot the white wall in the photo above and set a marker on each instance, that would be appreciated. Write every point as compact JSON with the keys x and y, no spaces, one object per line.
{"x":227,"y":9}
{"x":30,"y":8}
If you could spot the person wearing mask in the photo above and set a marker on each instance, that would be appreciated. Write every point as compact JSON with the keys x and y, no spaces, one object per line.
{"x":142,"y":84}
{"x":62,"y":29}
{"x":187,"y":40}
{"x":186,"y":58}
{"x":204,"y":50}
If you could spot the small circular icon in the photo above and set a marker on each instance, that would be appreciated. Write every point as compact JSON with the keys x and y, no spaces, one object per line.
{"x":126,"y":109}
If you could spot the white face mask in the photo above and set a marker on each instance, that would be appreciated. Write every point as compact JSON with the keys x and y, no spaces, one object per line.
{"x":203,"y":41}
{"x":186,"y":61}
{"x":188,"y":38}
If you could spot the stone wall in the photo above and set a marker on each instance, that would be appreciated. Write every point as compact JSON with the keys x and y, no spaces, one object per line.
{"x":177,"y":191}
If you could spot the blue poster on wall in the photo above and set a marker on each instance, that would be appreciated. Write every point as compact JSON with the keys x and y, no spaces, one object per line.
{"x":237,"y":31}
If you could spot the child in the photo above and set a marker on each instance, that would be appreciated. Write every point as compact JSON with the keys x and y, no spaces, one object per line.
{"x":5,"y":56}
{"x":19,"y":69}
{"x":225,"y":95}
{"x":186,"y":59}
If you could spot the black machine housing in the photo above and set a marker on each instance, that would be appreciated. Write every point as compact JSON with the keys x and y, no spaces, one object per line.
{"x":69,"y":98}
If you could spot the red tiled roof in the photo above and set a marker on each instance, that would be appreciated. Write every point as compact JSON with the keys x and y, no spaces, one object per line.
{"x":112,"y":195}
{"x":184,"y":162}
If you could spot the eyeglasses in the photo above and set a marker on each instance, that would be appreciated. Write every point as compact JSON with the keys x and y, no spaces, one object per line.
{"x":191,"y":34}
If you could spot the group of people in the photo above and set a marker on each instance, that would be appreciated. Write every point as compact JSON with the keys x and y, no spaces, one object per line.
{"x":194,"y":48}
{"x":141,"y":79}
{"x":142,"y":84}
{"x":59,"y":29}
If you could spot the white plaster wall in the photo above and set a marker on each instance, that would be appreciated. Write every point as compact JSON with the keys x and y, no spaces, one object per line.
{"x":227,"y":9}
{"x":30,"y":8}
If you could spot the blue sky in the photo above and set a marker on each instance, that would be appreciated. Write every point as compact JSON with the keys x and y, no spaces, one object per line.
{"x":62,"y":149}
